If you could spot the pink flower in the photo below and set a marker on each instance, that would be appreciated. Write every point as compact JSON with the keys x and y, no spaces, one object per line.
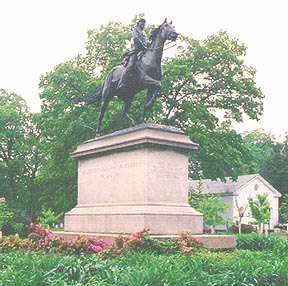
{"x":50,"y":234}
{"x":95,"y":248}
{"x":102,"y":243}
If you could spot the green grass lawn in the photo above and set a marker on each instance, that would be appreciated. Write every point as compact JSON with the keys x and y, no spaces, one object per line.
{"x":239,"y":267}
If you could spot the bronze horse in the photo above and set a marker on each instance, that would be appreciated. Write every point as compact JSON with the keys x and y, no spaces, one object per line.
{"x":146,"y":74}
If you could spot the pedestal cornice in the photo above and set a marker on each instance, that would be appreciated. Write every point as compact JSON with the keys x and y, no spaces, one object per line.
{"x":144,"y":135}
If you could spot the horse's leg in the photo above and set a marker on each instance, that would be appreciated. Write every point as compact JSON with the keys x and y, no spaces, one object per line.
{"x":103,"y":108}
{"x":153,"y":87}
{"x":150,"y":93}
{"x":147,"y":103}
{"x":106,"y":96}
{"x":126,"y":106}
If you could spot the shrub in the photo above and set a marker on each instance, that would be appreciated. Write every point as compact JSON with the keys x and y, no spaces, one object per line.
{"x":5,"y":214}
{"x":187,"y":243}
{"x":260,"y":210}
{"x":48,"y":218}
{"x":210,"y":206}
{"x":237,"y":268}
{"x":245,"y":228}
{"x":139,"y":242}
{"x":262,"y":242}
{"x":13,"y":243}
{"x":43,"y":240}
{"x":142,"y":242}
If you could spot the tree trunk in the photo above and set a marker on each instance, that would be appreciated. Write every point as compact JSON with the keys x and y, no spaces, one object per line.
{"x":260,"y":228}
{"x":240,"y":226}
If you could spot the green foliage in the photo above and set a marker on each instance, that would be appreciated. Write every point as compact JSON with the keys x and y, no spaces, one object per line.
{"x":206,"y":77}
{"x":5,"y":214}
{"x":48,"y":217}
{"x":245,"y":228}
{"x":262,"y":242}
{"x":269,"y":157}
{"x":161,"y":247}
{"x":236,"y":268}
{"x":275,"y":168}
{"x":260,"y":209}
{"x":17,"y":228}
{"x":20,"y":156}
{"x":260,"y":147}
{"x":284,"y":209}
{"x":64,"y":125}
{"x":275,"y":171}
{"x":210,"y":206}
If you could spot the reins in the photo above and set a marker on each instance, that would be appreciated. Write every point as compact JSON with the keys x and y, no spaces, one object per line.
{"x":164,"y":49}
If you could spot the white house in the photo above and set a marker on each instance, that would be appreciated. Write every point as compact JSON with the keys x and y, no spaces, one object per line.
{"x":235,"y":195}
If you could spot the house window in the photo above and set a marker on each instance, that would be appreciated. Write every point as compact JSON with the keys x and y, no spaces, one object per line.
{"x":256,"y":187}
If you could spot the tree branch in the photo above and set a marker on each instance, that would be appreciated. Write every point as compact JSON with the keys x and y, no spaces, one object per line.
{"x":175,"y":96}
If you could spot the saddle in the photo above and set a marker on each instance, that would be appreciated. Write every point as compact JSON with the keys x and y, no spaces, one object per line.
{"x":127,"y":56}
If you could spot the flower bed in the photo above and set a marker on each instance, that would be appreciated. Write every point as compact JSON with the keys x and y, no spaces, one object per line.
{"x":140,"y":260}
{"x":43,"y":240}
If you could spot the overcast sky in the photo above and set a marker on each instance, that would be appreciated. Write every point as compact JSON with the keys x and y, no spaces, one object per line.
{"x":38,"y":34}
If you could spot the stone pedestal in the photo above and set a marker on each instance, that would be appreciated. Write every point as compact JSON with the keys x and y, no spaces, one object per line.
{"x":134,"y":179}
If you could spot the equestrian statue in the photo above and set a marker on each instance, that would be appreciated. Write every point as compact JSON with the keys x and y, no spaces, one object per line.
{"x":140,"y":70}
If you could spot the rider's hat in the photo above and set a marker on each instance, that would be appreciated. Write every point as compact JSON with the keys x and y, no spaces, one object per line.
{"x":141,"y":20}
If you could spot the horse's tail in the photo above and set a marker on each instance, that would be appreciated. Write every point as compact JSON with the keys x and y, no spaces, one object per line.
{"x":96,"y":98}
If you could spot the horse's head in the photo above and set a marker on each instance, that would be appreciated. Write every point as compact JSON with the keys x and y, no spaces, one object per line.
{"x":166,"y":31}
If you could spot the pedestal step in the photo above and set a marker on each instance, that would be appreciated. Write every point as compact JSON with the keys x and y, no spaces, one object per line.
{"x":159,"y":219}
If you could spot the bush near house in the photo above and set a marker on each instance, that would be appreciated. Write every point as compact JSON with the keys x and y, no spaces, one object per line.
{"x":245,"y":228}
{"x":5,"y":214}
{"x":262,"y":242}
{"x":210,"y":206}
{"x":260,"y":210}
{"x":48,"y":218}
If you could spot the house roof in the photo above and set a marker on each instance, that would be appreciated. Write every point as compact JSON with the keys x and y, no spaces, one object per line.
{"x":230,"y":186}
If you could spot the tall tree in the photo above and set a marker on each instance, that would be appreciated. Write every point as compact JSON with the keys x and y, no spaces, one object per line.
{"x":269,"y":157}
{"x":275,"y":168}
{"x":260,"y":210}
{"x":260,"y":147}
{"x":211,"y":207}
{"x":19,"y":153}
{"x":284,"y":209}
